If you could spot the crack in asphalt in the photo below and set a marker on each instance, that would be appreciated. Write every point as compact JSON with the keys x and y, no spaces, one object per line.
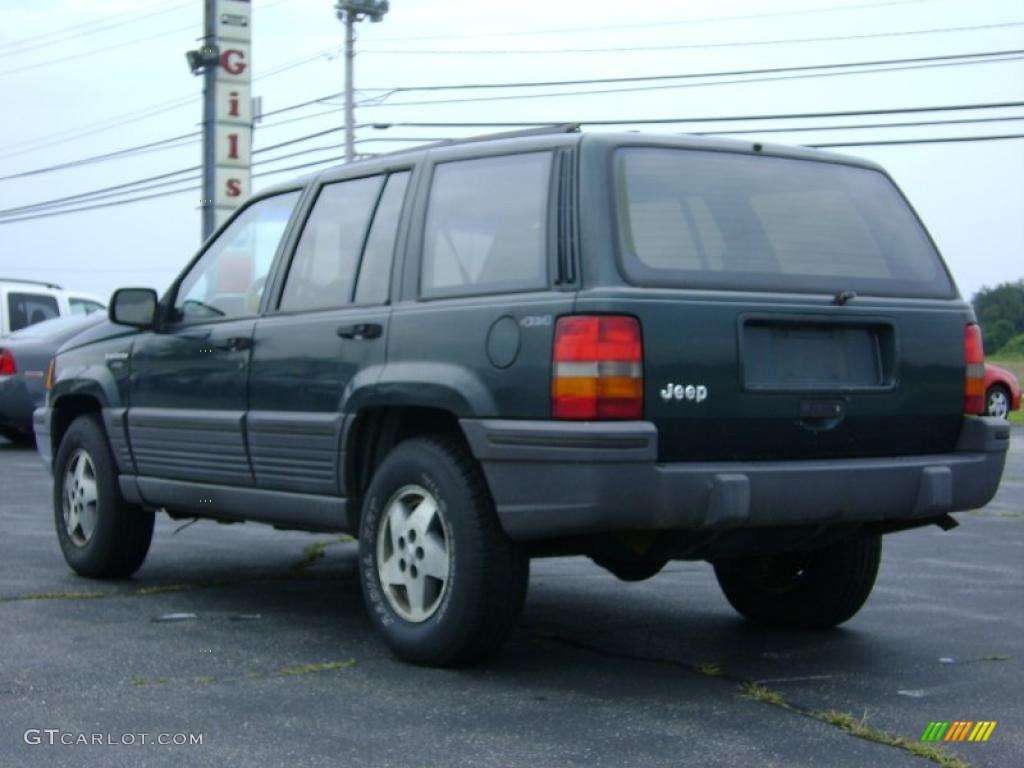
{"x":759,"y":693}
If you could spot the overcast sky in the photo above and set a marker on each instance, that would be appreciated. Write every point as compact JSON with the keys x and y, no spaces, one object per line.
{"x":120,"y":80}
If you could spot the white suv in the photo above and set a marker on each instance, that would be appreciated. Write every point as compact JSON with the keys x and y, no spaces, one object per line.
{"x":27,"y":302}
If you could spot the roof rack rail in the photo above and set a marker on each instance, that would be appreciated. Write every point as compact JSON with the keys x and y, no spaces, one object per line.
{"x":31,"y":282}
{"x":540,"y":130}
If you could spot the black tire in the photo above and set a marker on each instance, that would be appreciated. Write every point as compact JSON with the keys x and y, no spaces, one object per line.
{"x":991,"y":407}
{"x":120,"y":535}
{"x":812,"y":590}
{"x":486,"y":573}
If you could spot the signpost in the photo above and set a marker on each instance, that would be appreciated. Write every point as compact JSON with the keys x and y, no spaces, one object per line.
{"x":226,"y":64}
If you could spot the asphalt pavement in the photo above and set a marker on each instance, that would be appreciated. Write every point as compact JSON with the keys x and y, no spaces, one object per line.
{"x":257,"y":640}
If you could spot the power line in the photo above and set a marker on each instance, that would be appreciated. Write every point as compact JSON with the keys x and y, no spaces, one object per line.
{"x":163,"y":179}
{"x":97,"y":206}
{"x":687,"y":75}
{"x":95,"y":51}
{"x":689,"y":46}
{"x":106,"y":48}
{"x":759,"y":131}
{"x":127,"y":187}
{"x":854,"y":126}
{"x":893,"y":142}
{"x":307,"y":137}
{"x":170,"y":142}
{"x":339,"y":158}
{"x":713,"y":119}
{"x":99,"y":126}
{"x":655,"y":24}
{"x":948,"y":60}
{"x":675,"y":86}
{"x":153,"y":110}
{"x":95,"y":195}
{"x":82,"y":30}
{"x":162,"y":143}
{"x":194,"y":188}
{"x":43,"y":142}
{"x":85,"y":195}
{"x":302,"y":118}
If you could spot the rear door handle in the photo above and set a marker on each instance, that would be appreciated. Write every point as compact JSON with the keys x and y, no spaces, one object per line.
{"x":360,"y":331}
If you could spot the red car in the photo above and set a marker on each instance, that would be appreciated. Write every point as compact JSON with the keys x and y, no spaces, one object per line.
{"x":1002,"y":392}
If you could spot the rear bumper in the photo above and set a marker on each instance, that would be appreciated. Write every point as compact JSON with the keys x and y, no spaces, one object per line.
{"x":15,"y":403}
{"x":551,"y":479}
{"x":41,"y":426}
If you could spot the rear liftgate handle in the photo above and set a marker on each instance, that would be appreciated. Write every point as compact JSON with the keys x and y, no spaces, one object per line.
{"x":821,"y":415}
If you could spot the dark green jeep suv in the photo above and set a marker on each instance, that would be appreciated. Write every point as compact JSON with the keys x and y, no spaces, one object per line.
{"x":638,"y":348}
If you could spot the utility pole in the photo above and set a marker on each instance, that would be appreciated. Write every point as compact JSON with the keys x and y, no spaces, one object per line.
{"x":349,"y":12}
{"x":204,"y":62}
{"x":350,"y":102}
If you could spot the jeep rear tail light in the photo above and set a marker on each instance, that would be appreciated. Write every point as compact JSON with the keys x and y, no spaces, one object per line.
{"x":597,"y":370}
{"x":974,"y":358}
{"x":7,"y":366}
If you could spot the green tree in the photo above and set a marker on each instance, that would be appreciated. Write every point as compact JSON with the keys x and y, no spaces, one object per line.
{"x":1000,"y":311}
{"x":997,"y":334}
{"x":1014,"y":347}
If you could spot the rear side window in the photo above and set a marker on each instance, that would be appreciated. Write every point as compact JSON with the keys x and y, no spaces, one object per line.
{"x":723,"y":220}
{"x":323,"y":271}
{"x":25,"y":309}
{"x":486,"y":228}
{"x":375,"y":269}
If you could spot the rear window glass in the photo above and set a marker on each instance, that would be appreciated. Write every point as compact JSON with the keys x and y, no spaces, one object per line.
{"x":725,"y":220}
{"x":25,"y":309}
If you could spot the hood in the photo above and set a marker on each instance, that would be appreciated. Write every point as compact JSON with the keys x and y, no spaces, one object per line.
{"x":100,"y":332}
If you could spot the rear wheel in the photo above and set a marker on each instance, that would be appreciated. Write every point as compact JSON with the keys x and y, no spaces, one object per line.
{"x":997,"y":402}
{"x":100,"y":534}
{"x":816,"y":589}
{"x":443,"y":583}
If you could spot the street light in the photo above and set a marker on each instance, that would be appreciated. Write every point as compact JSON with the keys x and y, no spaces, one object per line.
{"x":351,"y":11}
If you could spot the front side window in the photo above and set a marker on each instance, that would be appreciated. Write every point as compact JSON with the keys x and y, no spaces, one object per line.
{"x":486,"y":228}
{"x":229,"y":278}
{"x":25,"y":309}
{"x":323,"y":270}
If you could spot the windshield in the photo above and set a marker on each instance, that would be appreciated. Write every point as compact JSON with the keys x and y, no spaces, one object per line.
{"x":725,"y":220}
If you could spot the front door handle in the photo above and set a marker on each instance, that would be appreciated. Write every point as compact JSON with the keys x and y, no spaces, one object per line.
{"x":236,"y":343}
{"x":360,"y":331}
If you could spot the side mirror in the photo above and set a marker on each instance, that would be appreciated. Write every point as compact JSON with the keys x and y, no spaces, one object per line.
{"x":133,"y":306}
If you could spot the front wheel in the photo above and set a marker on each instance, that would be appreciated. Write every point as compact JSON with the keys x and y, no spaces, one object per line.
{"x":442,"y":581}
{"x":100,"y":534}
{"x":816,"y":589}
